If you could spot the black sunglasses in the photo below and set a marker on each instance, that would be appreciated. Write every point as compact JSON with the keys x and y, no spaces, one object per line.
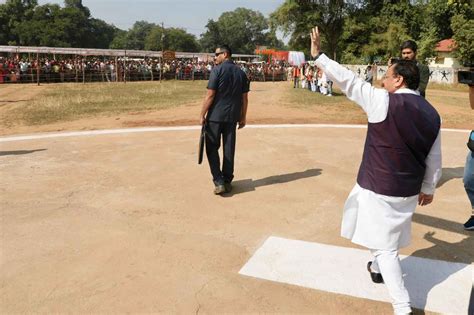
{"x":219,"y":53}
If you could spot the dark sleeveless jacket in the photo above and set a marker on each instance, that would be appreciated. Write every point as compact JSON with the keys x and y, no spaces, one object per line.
{"x":395,"y":150}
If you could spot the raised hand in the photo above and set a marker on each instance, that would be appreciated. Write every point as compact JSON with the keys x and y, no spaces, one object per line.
{"x":315,"y":42}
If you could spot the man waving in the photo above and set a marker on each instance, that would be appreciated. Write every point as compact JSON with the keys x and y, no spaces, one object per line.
{"x":400,"y":167}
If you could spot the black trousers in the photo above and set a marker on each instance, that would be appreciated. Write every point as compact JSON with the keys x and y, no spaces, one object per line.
{"x":216,"y":131}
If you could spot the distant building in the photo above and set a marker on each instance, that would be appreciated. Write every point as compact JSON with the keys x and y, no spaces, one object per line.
{"x":445,"y":55}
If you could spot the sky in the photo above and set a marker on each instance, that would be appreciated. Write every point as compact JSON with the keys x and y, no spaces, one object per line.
{"x":191,"y":15}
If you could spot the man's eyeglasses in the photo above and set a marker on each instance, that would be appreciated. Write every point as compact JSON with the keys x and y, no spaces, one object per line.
{"x":219,"y":53}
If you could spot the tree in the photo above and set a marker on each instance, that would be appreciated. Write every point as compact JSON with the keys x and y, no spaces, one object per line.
{"x":374,"y":30}
{"x":42,"y":29}
{"x":176,"y":39}
{"x":462,"y":25}
{"x":119,"y":41}
{"x":464,"y":37}
{"x":386,"y":44}
{"x":137,"y":34}
{"x":212,"y":38}
{"x":77,"y":4}
{"x":357,"y":30}
{"x":100,"y":34}
{"x":25,"y":23}
{"x":179,"y":40}
{"x":297,"y":17}
{"x":241,"y":29}
{"x":12,"y":14}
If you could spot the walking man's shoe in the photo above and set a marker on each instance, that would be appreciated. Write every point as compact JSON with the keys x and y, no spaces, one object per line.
{"x":469,"y":225}
{"x":228,"y":187}
{"x":219,"y":189}
{"x":376,"y":277}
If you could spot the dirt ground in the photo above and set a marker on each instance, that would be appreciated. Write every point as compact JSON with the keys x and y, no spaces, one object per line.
{"x":127,"y":223}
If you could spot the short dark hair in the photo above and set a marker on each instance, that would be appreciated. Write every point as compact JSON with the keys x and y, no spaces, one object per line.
{"x":225,"y":48}
{"x":409,"y":44}
{"x":409,"y":71}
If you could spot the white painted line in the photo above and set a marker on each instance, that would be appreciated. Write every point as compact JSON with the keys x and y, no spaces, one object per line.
{"x":178,"y":128}
{"x":434,"y":285}
{"x":94,"y":133}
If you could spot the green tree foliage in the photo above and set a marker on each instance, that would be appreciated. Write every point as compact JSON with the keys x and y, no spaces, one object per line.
{"x":100,"y":34}
{"x":149,"y":36}
{"x":119,"y":41}
{"x":12,"y":14}
{"x":462,"y":25}
{"x":447,"y":19}
{"x":374,"y":30}
{"x":464,"y":36}
{"x":241,"y":29}
{"x":135,"y":38}
{"x":296,"y":17}
{"x":354,"y":31}
{"x":172,"y":38}
{"x":24,"y":22}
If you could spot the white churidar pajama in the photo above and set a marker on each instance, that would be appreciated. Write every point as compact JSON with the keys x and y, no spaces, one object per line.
{"x":378,"y":222}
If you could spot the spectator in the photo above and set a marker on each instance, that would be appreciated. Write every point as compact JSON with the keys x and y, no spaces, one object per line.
{"x":408,"y":51}
{"x":369,"y":75}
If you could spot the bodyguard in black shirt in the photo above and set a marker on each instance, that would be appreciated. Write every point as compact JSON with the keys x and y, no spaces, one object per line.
{"x":225,"y":105}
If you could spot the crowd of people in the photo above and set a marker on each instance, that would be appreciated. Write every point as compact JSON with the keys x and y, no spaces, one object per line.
{"x":310,"y":77}
{"x":110,"y":69}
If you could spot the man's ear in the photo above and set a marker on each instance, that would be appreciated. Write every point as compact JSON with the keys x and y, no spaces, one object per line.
{"x":400,"y":82}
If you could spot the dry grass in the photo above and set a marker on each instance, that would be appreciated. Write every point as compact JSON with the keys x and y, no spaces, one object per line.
{"x":58,"y":103}
{"x":452,"y":103}
{"x":68,"y":102}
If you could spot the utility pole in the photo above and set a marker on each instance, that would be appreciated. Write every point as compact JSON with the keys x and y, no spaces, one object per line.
{"x":162,"y":37}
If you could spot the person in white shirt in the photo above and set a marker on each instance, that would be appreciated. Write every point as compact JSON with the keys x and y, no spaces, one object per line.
{"x":401,"y":166}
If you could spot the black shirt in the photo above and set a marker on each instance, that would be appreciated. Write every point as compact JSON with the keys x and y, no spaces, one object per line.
{"x":230,"y":82}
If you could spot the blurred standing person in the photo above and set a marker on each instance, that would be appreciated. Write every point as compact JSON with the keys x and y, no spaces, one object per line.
{"x":303,"y":77}
{"x":401,"y":166}
{"x":309,"y":77}
{"x":468,"y":178}
{"x":224,"y":106}
{"x":1,"y":71}
{"x":369,"y":75}
{"x":322,"y":78}
{"x":296,"y":76}
{"x":408,"y":51}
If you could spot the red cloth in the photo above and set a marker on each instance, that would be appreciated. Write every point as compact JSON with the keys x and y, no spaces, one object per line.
{"x":296,"y":72}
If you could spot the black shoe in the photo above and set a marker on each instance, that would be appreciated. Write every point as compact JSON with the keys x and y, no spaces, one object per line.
{"x":219,"y":189}
{"x":376,"y":277}
{"x":228,"y":187}
{"x":469,"y":225}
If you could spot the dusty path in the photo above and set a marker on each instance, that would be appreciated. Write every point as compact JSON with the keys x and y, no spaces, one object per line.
{"x":128,"y":222}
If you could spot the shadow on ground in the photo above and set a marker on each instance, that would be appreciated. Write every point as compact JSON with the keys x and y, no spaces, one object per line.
{"x":247,"y":185}
{"x":450,"y":173}
{"x":456,"y":252}
{"x":20,"y":152}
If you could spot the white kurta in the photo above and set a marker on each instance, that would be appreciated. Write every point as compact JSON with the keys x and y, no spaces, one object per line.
{"x":373,"y":220}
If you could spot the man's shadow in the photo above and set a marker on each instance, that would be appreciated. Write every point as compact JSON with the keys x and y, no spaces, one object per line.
{"x":20,"y":152}
{"x":247,"y":185}
{"x":450,"y":173}
{"x":421,"y":279}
